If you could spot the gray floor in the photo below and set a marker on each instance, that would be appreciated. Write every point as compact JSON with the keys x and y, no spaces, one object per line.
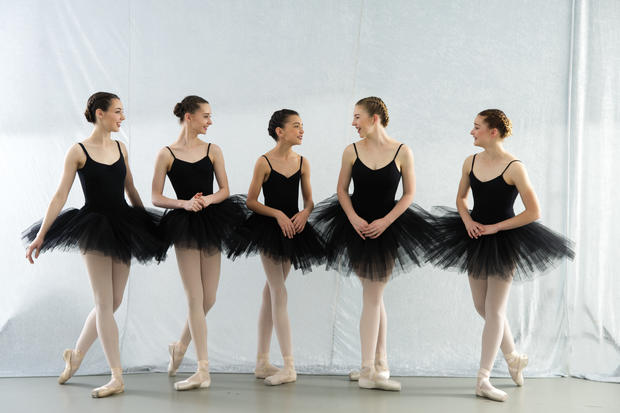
{"x":323,"y":394}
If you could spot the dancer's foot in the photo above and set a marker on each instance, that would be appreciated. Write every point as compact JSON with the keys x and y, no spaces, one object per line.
{"x":484,"y":388}
{"x":114,"y":386}
{"x":354,"y":375}
{"x":286,"y":374}
{"x":177,"y":352}
{"x":200,"y":379}
{"x":73,"y":359}
{"x":264,"y":368}
{"x":381,"y":370}
{"x":516,"y":363}
{"x":368,"y":379}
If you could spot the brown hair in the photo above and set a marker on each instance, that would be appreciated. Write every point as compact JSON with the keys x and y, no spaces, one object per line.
{"x":497,"y":119}
{"x":99,"y":100}
{"x":189,"y":104}
{"x":375,"y":106}
{"x":278,"y":119}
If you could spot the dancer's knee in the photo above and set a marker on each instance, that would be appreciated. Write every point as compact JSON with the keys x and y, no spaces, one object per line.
{"x":208,"y":303}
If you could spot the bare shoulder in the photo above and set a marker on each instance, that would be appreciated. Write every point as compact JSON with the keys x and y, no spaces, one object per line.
{"x":164,"y":154}
{"x":349,"y":152}
{"x":76,"y":154}
{"x":404,"y":151}
{"x":123,"y":147}
{"x":515,"y":170}
{"x":215,"y":149}
{"x":467,"y":163}
{"x":261,"y":162}
{"x":215,"y":153}
{"x":305,"y":164}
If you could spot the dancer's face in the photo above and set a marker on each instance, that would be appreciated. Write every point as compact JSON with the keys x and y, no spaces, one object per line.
{"x":112,"y":118}
{"x":483,"y":135}
{"x":200,"y":120}
{"x":362,"y":121}
{"x":292,"y":131}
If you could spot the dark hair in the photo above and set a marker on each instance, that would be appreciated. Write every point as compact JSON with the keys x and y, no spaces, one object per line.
{"x":375,"y":106}
{"x":497,"y":119}
{"x":189,"y":104}
{"x":99,"y":100}
{"x":278,"y":119}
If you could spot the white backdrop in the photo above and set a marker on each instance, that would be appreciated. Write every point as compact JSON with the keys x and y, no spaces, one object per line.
{"x":552,"y":66}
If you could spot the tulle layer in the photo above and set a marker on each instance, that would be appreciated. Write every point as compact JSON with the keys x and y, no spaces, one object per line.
{"x":262,"y":234}
{"x":123,"y":233}
{"x":521,"y":253}
{"x":401,"y":246}
{"x":207,"y":229}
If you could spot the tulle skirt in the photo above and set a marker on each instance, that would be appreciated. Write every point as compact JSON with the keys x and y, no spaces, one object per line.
{"x":208,"y":229}
{"x":122,"y":233}
{"x":262,"y":234}
{"x":520,"y":253}
{"x":400,"y":247}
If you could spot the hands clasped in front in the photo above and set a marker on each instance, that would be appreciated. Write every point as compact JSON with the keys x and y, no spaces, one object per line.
{"x":198,"y":202}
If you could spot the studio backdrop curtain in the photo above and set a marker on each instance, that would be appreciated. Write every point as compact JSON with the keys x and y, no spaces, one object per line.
{"x":552,"y":66}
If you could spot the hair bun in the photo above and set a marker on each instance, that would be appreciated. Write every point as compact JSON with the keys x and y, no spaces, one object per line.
{"x":178,"y":110}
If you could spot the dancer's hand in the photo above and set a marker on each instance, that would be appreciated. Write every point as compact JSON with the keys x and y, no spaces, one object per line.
{"x":299,"y":220}
{"x":489,"y":229}
{"x":193,"y":205}
{"x":205,"y":201}
{"x":359,"y":225}
{"x":286,"y":225}
{"x":34,"y":246}
{"x":376,"y":227}
{"x":474,"y":229}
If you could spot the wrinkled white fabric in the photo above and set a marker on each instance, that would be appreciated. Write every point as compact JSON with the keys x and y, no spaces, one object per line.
{"x":551,"y":66}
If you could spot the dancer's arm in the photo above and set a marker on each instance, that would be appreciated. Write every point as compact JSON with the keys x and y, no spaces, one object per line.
{"x":162,"y":165}
{"x":261,"y":171}
{"x":405,"y":158}
{"x":517,"y":175}
{"x":474,"y":229}
{"x":130,"y":189}
{"x":74,"y":159}
{"x":300,"y":218}
{"x":344,"y":179}
{"x":220,"y":176}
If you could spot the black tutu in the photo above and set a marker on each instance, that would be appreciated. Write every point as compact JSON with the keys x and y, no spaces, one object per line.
{"x":521,"y":252}
{"x":207,"y":229}
{"x":123,"y":233}
{"x":262,"y":234}
{"x":401,"y":246}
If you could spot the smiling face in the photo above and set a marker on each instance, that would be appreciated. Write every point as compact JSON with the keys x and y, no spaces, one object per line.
{"x":292,"y":131}
{"x":200,"y":120}
{"x":483,"y":135}
{"x":363,"y":122}
{"x":111,"y":119}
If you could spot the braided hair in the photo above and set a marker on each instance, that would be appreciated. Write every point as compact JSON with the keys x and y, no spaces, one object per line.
{"x":375,"y":106}
{"x":497,"y":119}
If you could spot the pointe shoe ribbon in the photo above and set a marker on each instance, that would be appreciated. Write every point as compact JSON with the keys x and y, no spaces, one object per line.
{"x":368,"y":379}
{"x":199,"y":380}
{"x":264,"y":368}
{"x":287,"y":374}
{"x":484,"y":388}
{"x":114,"y":386}
{"x":73,"y":359}
{"x":516,"y":363}
{"x":177,"y":352}
{"x":382,"y":371}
